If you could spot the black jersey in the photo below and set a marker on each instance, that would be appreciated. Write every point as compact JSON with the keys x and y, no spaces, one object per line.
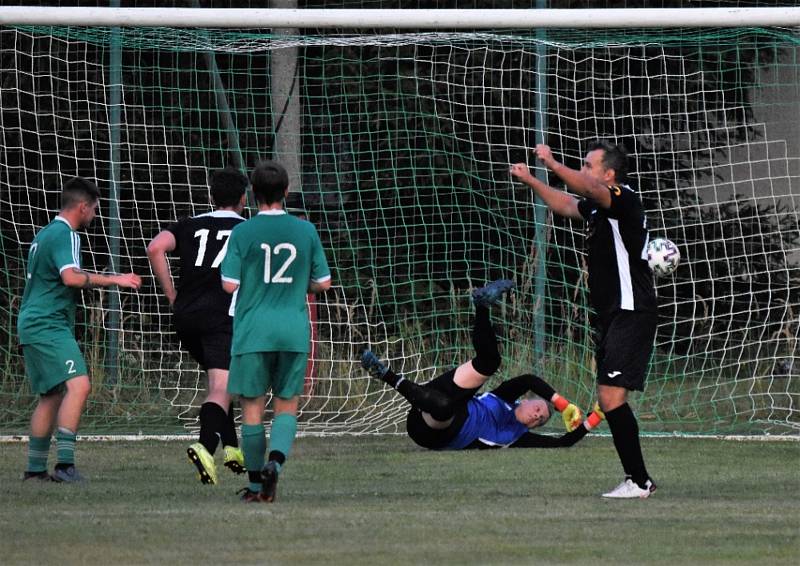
{"x":616,"y":246}
{"x":201,"y":243}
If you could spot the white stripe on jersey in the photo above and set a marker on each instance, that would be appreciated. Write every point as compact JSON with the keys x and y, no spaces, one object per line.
{"x":232,"y":308}
{"x":623,"y":268}
{"x":490,"y":443}
{"x":76,"y":249}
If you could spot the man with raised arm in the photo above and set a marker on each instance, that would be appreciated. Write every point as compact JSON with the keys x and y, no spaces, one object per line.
{"x":621,"y":289}
{"x":203,"y":312}
{"x":274,"y":260}
{"x":54,"y":363}
{"x":447,"y":413}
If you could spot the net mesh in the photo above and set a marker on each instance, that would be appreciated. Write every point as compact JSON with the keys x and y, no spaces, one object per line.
{"x":405,"y":144}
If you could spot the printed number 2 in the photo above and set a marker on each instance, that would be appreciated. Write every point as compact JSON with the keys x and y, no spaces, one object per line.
{"x":70,"y":367}
{"x":278,"y":277}
{"x":201,"y":250}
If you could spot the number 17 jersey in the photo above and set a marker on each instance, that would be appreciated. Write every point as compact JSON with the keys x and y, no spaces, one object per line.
{"x":273,"y":257}
{"x":200,"y":243}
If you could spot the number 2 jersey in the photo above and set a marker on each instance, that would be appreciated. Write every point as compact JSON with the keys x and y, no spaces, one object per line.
{"x":201,"y":243}
{"x":47,"y":313}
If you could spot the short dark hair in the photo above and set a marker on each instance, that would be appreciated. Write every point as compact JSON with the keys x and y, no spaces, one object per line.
{"x":270,"y":180}
{"x":227,"y":186}
{"x":78,"y":190}
{"x":615,"y":157}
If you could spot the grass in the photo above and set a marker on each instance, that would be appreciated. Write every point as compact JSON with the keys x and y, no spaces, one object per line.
{"x":380,"y":500}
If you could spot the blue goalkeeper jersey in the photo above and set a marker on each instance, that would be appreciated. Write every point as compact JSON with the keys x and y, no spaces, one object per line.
{"x":490,"y":420}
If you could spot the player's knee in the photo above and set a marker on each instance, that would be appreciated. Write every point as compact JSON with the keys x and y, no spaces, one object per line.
{"x":486,"y":364}
{"x":610,"y":398}
{"x":440,"y":406}
{"x":80,"y":386}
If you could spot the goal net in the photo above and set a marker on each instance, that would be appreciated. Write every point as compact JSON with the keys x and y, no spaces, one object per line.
{"x":405,"y":141}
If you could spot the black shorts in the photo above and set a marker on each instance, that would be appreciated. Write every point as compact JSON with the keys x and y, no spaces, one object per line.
{"x":433,"y":438}
{"x":624,"y":345}
{"x":207,"y":340}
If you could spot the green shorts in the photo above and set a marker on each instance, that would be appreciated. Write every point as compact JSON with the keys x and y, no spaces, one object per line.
{"x":252,"y":375}
{"x":49,"y":365}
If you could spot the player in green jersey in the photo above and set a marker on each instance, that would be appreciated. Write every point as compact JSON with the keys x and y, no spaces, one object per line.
{"x":273,"y":261}
{"x":53,"y":362}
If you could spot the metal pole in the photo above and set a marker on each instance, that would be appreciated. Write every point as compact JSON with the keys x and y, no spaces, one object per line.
{"x":114,"y":103}
{"x":539,"y":208}
{"x":286,"y":103}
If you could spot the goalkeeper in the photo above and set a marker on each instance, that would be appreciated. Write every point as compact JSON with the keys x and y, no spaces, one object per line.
{"x":448,"y":414}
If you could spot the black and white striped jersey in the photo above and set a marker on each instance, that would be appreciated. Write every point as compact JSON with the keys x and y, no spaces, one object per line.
{"x":616,"y":246}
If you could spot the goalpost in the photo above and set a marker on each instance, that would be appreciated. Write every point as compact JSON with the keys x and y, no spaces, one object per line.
{"x":405,"y":139}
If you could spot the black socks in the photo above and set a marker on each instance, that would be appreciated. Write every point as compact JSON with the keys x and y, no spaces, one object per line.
{"x":216,"y":425}
{"x":625,"y":431}
{"x":484,"y":340}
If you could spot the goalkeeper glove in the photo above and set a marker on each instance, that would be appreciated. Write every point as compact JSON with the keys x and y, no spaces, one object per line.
{"x":570,"y":413}
{"x":572,"y":417}
{"x":595,"y":418}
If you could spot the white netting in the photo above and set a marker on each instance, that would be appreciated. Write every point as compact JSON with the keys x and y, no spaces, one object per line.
{"x":406,"y":142}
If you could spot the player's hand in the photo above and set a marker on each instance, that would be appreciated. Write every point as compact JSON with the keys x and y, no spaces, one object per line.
{"x":595,"y":417}
{"x":128,"y":280}
{"x":520,"y":171}
{"x":544,"y":154}
{"x":572,"y":417}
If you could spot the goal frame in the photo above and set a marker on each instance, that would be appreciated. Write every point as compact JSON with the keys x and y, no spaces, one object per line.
{"x":252,"y":18}
{"x":379,"y":19}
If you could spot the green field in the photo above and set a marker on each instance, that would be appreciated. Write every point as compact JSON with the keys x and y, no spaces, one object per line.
{"x":380,"y":500}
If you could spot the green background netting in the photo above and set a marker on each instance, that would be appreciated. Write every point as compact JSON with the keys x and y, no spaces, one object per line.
{"x":405,"y":142}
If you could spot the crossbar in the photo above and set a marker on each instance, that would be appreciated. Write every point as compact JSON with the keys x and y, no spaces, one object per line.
{"x":252,"y":18}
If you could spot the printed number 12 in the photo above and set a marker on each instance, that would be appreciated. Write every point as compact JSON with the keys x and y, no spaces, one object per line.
{"x":279,"y":275}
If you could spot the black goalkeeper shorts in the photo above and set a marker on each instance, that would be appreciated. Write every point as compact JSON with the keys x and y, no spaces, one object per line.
{"x":433,"y":438}
{"x":624,"y":346}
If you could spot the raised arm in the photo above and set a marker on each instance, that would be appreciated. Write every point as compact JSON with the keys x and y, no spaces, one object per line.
{"x":578,"y":181}
{"x":559,"y":202}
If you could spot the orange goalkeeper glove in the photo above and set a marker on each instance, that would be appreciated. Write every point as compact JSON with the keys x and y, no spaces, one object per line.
{"x":595,"y":418}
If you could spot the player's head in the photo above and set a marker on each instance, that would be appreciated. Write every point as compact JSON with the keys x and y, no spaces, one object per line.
{"x":228,"y":187}
{"x":270,"y":182}
{"x":79,"y":198}
{"x":606,"y":162}
{"x":532,"y":412}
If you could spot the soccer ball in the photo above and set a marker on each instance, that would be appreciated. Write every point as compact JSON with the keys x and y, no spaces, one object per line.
{"x":662,"y":256}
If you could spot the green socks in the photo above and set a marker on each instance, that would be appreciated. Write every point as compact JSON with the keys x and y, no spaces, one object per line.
{"x":65,"y":443}
{"x":284,"y":429}
{"x":254,"y":445}
{"x":38,"y":448}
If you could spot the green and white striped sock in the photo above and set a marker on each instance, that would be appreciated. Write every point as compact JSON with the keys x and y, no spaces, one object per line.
{"x":38,"y":448}
{"x":65,"y":444}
